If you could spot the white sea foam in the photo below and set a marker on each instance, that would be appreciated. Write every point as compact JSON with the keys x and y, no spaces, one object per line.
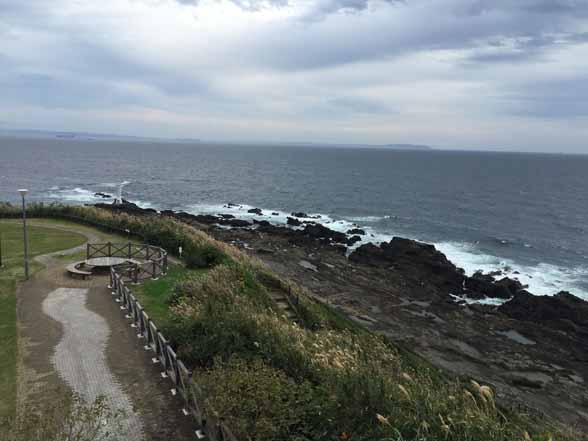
{"x":542,"y":279}
{"x":77,"y":194}
{"x":368,"y":218}
{"x":281,"y":218}
{"x":85,"y":196}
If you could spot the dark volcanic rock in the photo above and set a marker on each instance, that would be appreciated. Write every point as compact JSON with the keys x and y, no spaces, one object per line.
{"x":208,"y":219}
{"x":103,"y":195}
{"x":419,"y":261}
{"x":275,"y":214}
{"x":227,"y":216}
{"x":356,"y":231}
{"x":262,"y":223}
{"x":514,"y":286}
{"x":127,"y":207}
{"x":255,"y":211}
{"x":305,"y":215}
{"x":553,"y":311}
{"x":294,"y":222}
{"x":352,"y":240}
{"x":237,"y":223}
{"x":369,"y":254}
{"x":483,"y":285}
{"x":318,"y":231}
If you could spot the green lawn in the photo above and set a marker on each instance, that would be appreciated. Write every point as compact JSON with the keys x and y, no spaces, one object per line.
{"x":8,"y":347}
{"x":154,"y":294}
{"x":41,"y":241}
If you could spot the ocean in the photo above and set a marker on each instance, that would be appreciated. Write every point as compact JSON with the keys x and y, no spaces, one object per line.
{"x":524,"y":214}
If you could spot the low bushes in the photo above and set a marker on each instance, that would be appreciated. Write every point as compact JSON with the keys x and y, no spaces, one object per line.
{"x":204,"y":256}
{"x":327,"y":383}
{"x":258,"y":399}
{"x":201,"y":250}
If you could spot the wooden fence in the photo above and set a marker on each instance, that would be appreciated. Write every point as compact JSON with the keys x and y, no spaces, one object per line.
{"x":145,"y":261}
{"x":172,"y":367}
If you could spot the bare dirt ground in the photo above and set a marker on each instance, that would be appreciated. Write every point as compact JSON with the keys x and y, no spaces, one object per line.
{"x":39,"y":382}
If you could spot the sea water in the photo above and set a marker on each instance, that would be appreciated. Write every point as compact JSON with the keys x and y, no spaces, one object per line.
{"x":523,"y":214}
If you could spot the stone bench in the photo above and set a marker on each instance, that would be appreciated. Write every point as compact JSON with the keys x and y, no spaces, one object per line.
{"x":75,"y":270}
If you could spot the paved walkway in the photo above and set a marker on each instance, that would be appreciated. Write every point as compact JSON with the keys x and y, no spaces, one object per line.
{"x":74,"y":338}
{"x":80,"y":357}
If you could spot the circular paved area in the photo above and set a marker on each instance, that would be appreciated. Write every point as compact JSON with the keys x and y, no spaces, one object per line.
{"x":107,"y":262}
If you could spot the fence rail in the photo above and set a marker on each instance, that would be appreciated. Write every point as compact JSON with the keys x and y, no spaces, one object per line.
{"x":164,"y":355}
{"x":150,"y":261}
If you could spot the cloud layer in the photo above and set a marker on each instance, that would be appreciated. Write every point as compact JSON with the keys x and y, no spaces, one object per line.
{"x":457,"y":73}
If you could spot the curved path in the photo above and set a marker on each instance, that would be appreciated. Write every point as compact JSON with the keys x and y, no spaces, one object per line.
{"x":74,"y":337}
{"x":80,"y":357}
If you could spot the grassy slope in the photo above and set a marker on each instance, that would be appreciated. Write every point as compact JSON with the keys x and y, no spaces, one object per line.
{"x":155,"y":294}
{"x":41,"y":241}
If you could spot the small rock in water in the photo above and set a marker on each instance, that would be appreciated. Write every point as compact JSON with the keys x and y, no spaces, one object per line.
{"x":255,"y":211}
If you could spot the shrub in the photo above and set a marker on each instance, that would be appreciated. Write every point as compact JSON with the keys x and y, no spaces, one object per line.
{"x":203,"y":256}
{"x":260,"y":402}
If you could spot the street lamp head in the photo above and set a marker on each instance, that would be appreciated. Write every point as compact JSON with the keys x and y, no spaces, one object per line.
{"x":23,"y":191}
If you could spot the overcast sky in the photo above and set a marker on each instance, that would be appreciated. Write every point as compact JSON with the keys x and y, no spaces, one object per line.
{"x":499,"y":74}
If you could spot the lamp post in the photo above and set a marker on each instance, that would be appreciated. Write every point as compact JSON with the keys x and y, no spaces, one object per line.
{"x":23,"y":193}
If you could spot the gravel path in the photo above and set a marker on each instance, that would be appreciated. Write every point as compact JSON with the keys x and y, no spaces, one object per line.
{"x":80,"y":359}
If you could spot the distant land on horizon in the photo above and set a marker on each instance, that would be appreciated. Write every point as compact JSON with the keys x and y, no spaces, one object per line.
{"x":85,"y":136}
{"x":90,"y":136}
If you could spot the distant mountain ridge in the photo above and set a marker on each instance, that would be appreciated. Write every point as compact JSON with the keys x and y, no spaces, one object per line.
{"x":408,"y":147}
{"x":89,"y":136}
{"x":31,"y":133}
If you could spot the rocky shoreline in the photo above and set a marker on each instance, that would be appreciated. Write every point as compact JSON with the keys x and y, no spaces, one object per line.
{"x":532,"y":349}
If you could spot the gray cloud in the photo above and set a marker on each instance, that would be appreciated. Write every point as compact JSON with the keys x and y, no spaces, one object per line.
{"x":553,"y":99}
{"x":247,"y":5}
{"x":384,"y":67}
{"x":354,"y":105}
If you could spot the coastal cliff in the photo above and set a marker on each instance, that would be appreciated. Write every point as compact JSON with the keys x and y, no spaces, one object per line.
{"x":532,"y":349}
